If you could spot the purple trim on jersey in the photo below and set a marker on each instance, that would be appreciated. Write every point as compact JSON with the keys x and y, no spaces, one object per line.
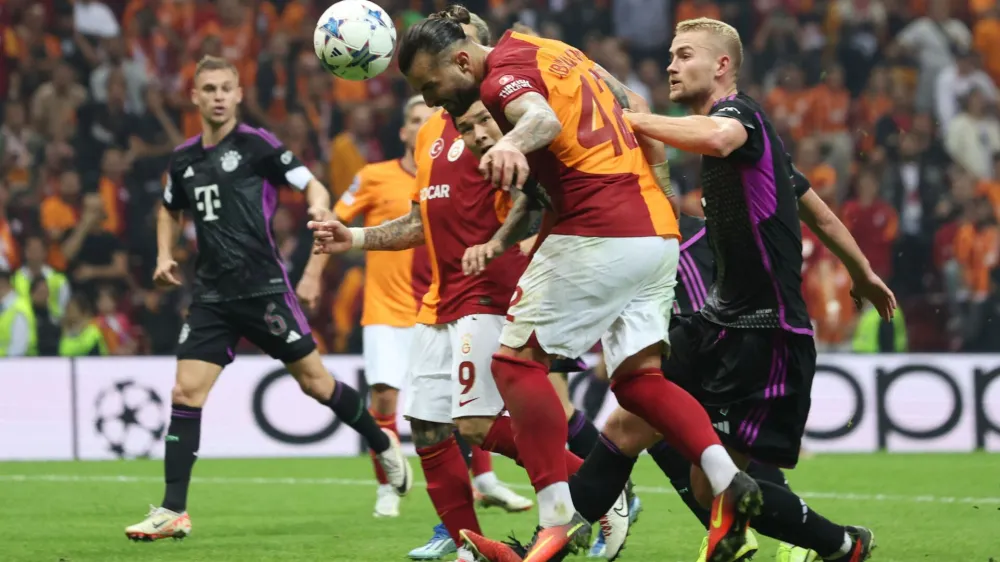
{"x":695,"y":274}
{"x":186,"y":414}
{"x":776,"y":380}
{"x":268,"y":136}
{"x":187,"y":143}
{"x":761,"y":193}
{"x":727,"y":98}
{"x":577,"y":425}
{"x":750,"y":426}
{"x":269,"y":201}
{"x":300,"y":317}
{"x":697,"y":236}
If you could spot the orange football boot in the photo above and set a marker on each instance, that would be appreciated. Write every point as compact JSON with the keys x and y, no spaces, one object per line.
{"x":731,"y":513}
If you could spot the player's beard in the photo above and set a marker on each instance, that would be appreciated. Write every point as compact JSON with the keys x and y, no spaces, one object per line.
{"x":689,"y":96}
{"x":464,"y":98}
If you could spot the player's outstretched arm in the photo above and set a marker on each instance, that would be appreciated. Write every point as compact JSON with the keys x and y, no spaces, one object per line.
{"x":332,"y":237}
{"x":515,"y":228}
{"x":835,"y":236}
{"x":708,"y":135}
{"x":318,"y":199}
{"x":536,"y":125}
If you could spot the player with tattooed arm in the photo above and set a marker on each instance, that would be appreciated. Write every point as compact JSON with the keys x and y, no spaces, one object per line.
{"x":604,"y":268}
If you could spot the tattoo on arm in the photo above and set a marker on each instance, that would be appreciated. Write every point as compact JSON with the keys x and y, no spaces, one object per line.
{"x":515,"y":227}
{"x":400,"y":234}
{"x":536,"y":124}
{"x":617,"y":88}
{"x":428,"y":434}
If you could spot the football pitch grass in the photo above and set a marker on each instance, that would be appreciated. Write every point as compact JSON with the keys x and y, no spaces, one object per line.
{"x":937,"y":508}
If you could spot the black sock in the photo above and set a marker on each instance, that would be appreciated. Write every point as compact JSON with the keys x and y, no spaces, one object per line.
{"x":786,"y":517}
{"x":678,"y":470}
{"x":767,"y":473}
{"x":582,"y":434}
{"x":183,"y":438}
{"x":464,"y":446}
{"x":350,"y":408}
{"x":600,"y":480}
{"x":593,"y":398}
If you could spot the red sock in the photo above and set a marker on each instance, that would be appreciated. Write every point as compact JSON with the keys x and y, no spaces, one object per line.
{"x":500,"y":440}
{"x":449,"y":487}
{"x":537,"y":415}
{"x":669,"y":409}
{"x":385,"y":421}
{"x":482,"y":461}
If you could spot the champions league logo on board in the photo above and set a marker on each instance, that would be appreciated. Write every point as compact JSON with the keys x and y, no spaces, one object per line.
{"x":130,"y":417}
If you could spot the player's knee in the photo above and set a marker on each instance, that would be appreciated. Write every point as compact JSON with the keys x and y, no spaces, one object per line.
{"x":193,"y":383}
{"x":188,"y":395}
{"x":629,"y":432}
{"x":701,"y":488}
{"x":474,"y":430}
{"x":313,"y":378}
{"x":648,"y":358}
{"x":427,"y":434}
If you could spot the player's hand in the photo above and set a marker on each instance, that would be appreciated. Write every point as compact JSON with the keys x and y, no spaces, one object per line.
{"x":320,"y":214}
{"x":330,"y":237}
{"x":505,"y":166}
{"x":478,"y":257}
{"x":308,"y":291}
{"x":166,"y":273}
{"x":871,"y":288}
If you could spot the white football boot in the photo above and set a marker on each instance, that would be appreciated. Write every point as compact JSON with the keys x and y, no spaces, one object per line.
{"x":160,"y":523}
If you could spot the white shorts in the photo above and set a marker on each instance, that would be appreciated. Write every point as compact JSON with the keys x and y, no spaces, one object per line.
{"x":578,"y":290}
{"x":450,"y":370}
{"x":386,"y":350}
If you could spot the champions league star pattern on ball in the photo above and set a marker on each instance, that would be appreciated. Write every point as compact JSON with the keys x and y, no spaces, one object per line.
{"x":355,"y":39}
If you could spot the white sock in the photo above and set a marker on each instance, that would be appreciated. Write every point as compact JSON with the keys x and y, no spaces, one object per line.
{"x":719,"y":467}
{"x":386,"y":489}
{"x":486,"y":482}
{"x":555,"y":505}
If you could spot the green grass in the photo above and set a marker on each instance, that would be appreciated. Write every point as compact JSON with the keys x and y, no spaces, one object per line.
{"x":939,"y":508}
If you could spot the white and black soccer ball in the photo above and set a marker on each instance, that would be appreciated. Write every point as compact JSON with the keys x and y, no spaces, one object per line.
{"x":355,"y":39}
{"x":131,"y":418}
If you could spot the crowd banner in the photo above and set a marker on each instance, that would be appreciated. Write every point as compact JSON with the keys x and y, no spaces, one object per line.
{"x":119,"y":407}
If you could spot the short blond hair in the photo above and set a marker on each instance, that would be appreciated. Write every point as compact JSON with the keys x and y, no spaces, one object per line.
{"x":727,"y":33}
{"x":208,"y":62}
{"x":414,"y":101}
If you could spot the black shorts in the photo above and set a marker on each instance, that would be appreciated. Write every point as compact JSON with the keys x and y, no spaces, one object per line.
{"x":754,"y":383}
{"x":274,"y":323}
{"x":566,"y":366}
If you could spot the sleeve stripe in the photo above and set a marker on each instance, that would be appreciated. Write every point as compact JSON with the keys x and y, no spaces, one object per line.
{"x":299,"y":177}
{"x":347,"y":198}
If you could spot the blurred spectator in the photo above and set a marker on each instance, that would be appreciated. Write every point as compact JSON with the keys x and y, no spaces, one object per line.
{"x":933,"y":39}
{"x":352,"y":149}
{"x":986,"y":36}
{"x":116,"y":58}
{"x":644,"y":25}
{"x":106,"y":125}
{"x":95,"y":256}
{"x":20,"y":146}
{"x":81,"y":336}
{"x":862,"y":28}
{"x":47,"y":326}
{"x":35,"y":50}
{"x":35,"y":268}
{"x":270,"y":83}
{"x":956,"y":82}
{"x":915,"y":188}
{"x":874,"y":335}
{"x":17,"y":323}
{"x":869,"y":108}
{"x":789,"y":103}
{"x":873,"y":222}
{"x":317,"y":103}
{"x":821,"y":175}
{"x":973,"y":136}
{"x":831,"y":108}
{"x":776,"y":39}
{"x":114,"y":194}
{"x":114,"y":324}
{"x":59,"y":213}
{"x":159,"y":323}
{"x":619,"y":64}
{"x":234,"y":24}
{"x":10,"y":255}
{"x":977,"y":250}
{"x":55,"y":103}
{"x":827,"y":289}
{"x":899,"y":120}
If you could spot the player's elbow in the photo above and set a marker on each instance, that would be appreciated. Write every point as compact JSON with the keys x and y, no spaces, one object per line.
{"x":720,"y":144}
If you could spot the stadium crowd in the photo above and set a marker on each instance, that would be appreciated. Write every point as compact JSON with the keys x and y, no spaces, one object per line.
{"x":890,"y":107}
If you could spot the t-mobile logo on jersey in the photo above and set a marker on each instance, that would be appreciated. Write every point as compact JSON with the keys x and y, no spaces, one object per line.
{"x":208,"y":201}
{"x":435,"y":192}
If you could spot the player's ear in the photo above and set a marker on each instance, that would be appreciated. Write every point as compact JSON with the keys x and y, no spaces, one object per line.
{"x":724,"y":63}
{"x":239,"y":94}
{"x":461,"y":58}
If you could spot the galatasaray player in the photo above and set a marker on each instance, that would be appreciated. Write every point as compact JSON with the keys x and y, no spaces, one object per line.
{"x":604,"y":269}
{"x":394,"y":283}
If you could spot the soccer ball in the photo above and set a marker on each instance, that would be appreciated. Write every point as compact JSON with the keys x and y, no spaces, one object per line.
{"x":130,"y":417}
{"x":355,"y":39}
